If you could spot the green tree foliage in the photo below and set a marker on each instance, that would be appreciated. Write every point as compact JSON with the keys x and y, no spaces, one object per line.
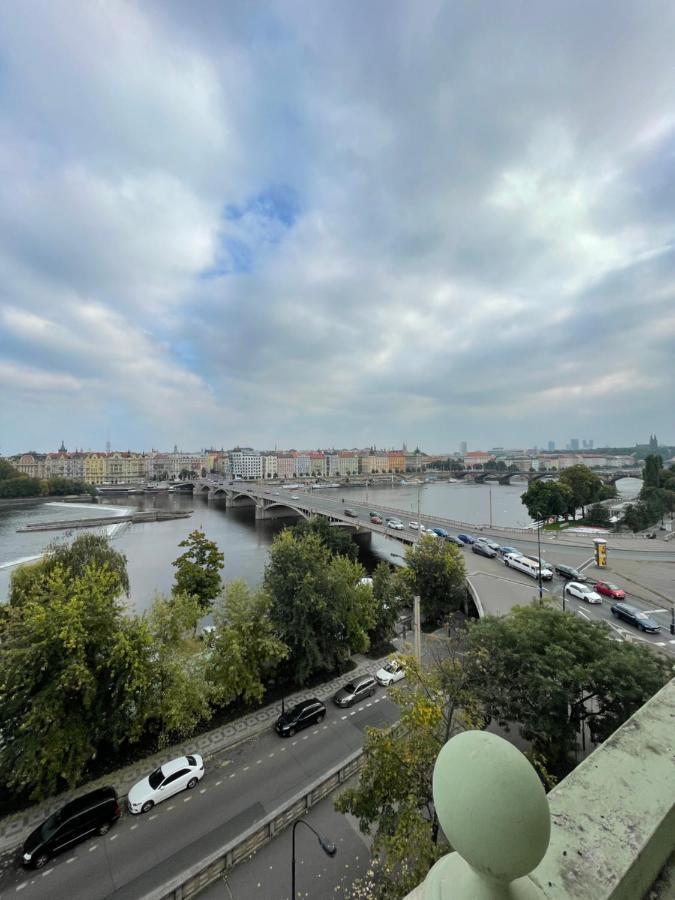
{"x":319,"y":609}
{"x":15,"y":484}
{"x":86,"y":550}
{"x":636,"y":516}
{"x":651,"y":474}
{"x":393,"y":799}
{"x":552,"y":672}
{"x":386,"y":607}
{"x":74,"y":672}
{"x":598,"y":515}
{"x":585,"y":485}
{"x":436,"y":572}
{"x":198,"y":569}
{"x":246,"y":650}
{"x":179,"y":695}
{"x":337,"y":540}
{"x":544,"y":499}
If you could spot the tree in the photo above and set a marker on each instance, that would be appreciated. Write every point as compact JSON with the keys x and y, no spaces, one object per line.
{"x":337,"y":540}
{"x":393,"y":800}
{"x":636,"y":516}
{"x":544,"y":499}
{"x":319,"y":609}
{"x":552,"y":673}
{"x":198,"y":569}
{"x":436,"y":572}
{"x":85,"y":551}
{"x":179,"y":695}
{"x":651,"y":474}
{"x":598,"y":515}
{"x":387,"y":603}
{"x":585,"y":485}
{"x":74,"y":675}
{"x":246,"y":650}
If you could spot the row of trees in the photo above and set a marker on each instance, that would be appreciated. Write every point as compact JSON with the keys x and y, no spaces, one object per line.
{"x":553,"y":676}
{"x":576,"y":488}
{"x":85,"y":684}
{"x":15,"y":484}
{"x":657,"y":495}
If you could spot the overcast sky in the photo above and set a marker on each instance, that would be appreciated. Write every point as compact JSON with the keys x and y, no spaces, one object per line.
{"x":336,"y":223}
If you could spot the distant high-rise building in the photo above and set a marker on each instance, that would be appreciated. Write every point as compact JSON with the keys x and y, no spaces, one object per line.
{"x":551,"y":446}
{"x":574,"y":443}
{"x":462,"y":448}
{"x":590,"y":444}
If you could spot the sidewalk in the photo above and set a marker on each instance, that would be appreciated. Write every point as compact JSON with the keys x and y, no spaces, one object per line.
{"x":14,"y":828}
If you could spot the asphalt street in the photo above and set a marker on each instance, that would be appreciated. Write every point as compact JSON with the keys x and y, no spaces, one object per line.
{"x":239,"y":788}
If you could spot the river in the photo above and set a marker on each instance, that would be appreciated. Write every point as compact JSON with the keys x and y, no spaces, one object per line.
{"x":151,"y":547}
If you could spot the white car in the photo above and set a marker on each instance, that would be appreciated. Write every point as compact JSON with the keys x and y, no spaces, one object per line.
{"x":170,"y":778}
{"x":395,"y":524}
{"x":415,"y":526}
{"x":390,"y":673}
{"x":294,"y":497}
{"x":582,"y":592}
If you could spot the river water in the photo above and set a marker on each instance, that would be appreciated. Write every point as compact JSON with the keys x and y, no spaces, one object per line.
{"x":151,"y":547}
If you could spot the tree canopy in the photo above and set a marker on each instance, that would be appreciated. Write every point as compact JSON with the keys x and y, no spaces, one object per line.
{"x":436,"y":572}
{"x":336,"y":539}
{"x":198,"y":569}
{"x":544,"y":499}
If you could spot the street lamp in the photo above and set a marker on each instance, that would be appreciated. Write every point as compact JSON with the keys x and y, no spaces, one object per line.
{"x":541,"y":590}
{"x":328,"y":848}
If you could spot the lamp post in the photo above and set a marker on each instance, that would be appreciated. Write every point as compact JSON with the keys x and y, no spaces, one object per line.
{"x":541,"y":590}
{"x":328,"y":848}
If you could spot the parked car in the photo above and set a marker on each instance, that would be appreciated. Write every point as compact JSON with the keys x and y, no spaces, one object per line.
{"x":610,"y":590}
{"x":376,"y":520}
{"x":582,"y":592}
{"x":483,"y":550}
{"x":441,"y":532}
{"x":509,"y":551}
{"x":453,"y":539}
{"x":390,"y":672}
{"x":571,"y":573}
{"x":170,"y":778}
{"x":92,"y":813}
{"x":493,"y":545}
{"x":355,"y":690}
{"x":467,"y":538}
{"x":351,"y":513}
{"x":635,"y":617}
{"x":309,"y":712}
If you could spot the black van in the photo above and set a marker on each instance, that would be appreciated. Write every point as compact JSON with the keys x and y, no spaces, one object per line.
{"x":92,"y":813}
{"x":300,"y":716}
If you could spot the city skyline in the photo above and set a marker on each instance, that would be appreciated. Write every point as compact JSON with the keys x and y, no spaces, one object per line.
{"x":305,"y":224}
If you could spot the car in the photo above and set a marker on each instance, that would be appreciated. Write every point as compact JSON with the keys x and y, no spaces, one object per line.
{"x":635,"y":617}
{"x":571,"y":573}
{"x":610,"y":590}
{"x":376,"y":520}
{"x":390,"y":673}
{"x":294,"y":497}
{"x":493,"y":545}
{"x":582,"y":592}
{"x":441,"y":532}
{"x":355,"y":690}
{"x":453,"y":539}
{"x":351,"y":513}
{"x":415,"y":526}
{"x":92,"y":813}
{"x":300,"y":716}
{"x":509,"y":551}
{"x":180,"y":774}
{"x":374,"y":513}
{"x":395,"y":523}
{"x":467,"y":538}
{"x":277,"y":493}
{"x":483,"y":550}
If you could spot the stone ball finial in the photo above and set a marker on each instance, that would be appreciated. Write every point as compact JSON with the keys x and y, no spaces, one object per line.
{"x":491,"y":805}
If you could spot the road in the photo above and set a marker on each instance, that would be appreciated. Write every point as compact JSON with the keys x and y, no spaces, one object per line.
{"x":239,"y":788}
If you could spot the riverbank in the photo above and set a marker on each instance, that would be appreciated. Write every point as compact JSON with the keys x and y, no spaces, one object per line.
{"x":19,"y":502}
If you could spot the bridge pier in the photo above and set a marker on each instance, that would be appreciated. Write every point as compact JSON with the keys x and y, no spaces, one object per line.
{"x":363,"y":538}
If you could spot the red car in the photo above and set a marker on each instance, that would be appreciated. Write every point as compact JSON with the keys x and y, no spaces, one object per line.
{"x":610,"y":590}
{"x":376,"y":520}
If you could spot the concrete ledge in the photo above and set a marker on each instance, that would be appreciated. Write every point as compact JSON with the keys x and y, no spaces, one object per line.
{"x":613,"y":817}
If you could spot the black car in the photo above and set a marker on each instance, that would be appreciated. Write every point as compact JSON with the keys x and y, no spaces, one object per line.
{"x":483,"y":549}
{"x":635,"y":617}
{"x":309,"y":712}
{"x":455,"y":540}
{"x":571,"y":573}
{"x":350,"y":512}
{"x":493,"y":545}
{"x":92,"y":813}
{"x":355,"y":690}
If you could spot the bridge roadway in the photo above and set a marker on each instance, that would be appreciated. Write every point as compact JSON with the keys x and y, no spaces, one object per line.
{"x":496,"y":588}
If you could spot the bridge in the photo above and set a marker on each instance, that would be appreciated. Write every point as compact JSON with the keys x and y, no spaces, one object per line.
{"x":480,"y":476}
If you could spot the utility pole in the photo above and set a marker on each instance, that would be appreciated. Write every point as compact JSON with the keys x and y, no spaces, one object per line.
{"x":418,"y":630}
{"x":541,"y":590}
{"x":490,"y":489}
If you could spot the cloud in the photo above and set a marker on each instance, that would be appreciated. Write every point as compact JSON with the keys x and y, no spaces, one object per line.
{"x":310,"y":224}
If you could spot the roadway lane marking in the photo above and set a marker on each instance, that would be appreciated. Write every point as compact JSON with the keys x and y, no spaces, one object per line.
{"x":203,"y":791}
{"x":112,"y":838}
{"x":378,"y":700}
{"x":343,"y":717}
{"x":283,"y":750}
{"x":294,"y":743}
{"x":660,"y":610}
{"x":171,"y":807}
{"x":270,"y":755}
{"x":187,"y":799}
{"x":316,"y":731}
{"x":73,"y":858}
{"x":305,"y":736}
{"x":233,"y":774}
{"x":360,"y":709}
{"x":246,"y":768}
{"x":368,"y":705}
{"x":218,"y":783}
{"x":258,"y":761}
{"x":48,"y":872}
{"x":352,"y":713}
{"x":325,"y":727}
{"x":660,"y":643}
{"x":22,"y":886}
{"x":134,"y":826}
{"x":150,"y":818}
